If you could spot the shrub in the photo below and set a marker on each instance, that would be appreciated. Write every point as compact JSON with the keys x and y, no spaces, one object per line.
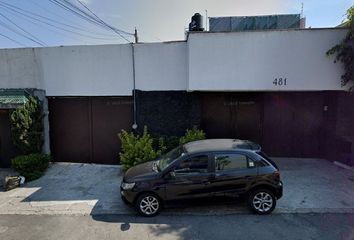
{"x":191,"y":135}
{"x":136,"y":149}
{"x":31,"y":166}
{"x":165,"y":143}
{"x":27,"y":127}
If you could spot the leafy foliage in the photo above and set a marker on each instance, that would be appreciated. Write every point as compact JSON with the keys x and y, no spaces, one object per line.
{"x":27,"y":127}
{"x":191,"y":135}
{"x":165,"y":143}
{"x":345,"y":51}
{"x":137,"y":149}
{"x":31,"y":166}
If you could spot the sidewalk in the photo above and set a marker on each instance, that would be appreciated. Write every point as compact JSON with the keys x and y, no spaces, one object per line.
{"x":310,"y":185}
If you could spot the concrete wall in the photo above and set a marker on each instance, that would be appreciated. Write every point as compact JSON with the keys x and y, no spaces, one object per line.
{"x":251,"y":61}
{"x":19,"y":68}
{"x":87,"y":70}
{"x":239,"y":61}
{"x":161,"y":66}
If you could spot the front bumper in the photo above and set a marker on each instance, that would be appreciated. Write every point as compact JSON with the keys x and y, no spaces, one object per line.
{"x":128,"y":195}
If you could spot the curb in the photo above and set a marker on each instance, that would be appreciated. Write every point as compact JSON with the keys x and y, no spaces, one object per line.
{"x":277,"y":211}
{"x":342,"y":165}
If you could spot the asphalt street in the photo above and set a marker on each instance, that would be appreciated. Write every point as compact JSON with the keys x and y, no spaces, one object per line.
{"x":238,"y":226}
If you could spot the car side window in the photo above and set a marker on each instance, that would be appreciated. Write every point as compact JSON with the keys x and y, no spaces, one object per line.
{"x":193,"y":165}
{"x":230,"y":161}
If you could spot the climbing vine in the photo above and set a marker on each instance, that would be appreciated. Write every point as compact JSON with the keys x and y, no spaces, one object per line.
{"x":345,"y":51}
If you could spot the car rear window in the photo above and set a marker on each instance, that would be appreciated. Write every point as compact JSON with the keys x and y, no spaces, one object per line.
{"x":263,"y":155}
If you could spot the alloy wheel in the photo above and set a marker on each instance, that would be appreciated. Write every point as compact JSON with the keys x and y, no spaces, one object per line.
{"x":149,"y":205}
{"x":262,"y":202}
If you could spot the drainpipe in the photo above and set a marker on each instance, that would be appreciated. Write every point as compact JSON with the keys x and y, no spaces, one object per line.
{"x":135,"y":125}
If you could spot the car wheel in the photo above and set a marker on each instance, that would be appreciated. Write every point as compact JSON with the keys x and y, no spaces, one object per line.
{"x":148,"y":205}
{"x":262,"y":201}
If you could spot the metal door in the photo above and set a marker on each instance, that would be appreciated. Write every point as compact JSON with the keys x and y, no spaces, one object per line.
{"x":7,"y":148}
{"x":85,"y":129}
{"x":232,"y":115}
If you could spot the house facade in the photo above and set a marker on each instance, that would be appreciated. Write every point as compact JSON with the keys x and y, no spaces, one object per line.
{"x":274,"y":87}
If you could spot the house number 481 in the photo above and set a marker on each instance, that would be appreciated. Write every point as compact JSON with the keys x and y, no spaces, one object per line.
{"x":279,"y":82}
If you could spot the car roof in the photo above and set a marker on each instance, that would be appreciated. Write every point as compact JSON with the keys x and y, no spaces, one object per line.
{"x":220,"y":145}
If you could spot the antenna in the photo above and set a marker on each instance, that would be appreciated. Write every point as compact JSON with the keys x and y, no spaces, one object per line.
{"x":136,"y":35}
{"x":206,"y":20}
{"x":302,"y":10}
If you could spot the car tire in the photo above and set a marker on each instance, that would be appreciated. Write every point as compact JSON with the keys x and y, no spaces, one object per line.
{"x":262,"y":201}
{"x":148,"y":204}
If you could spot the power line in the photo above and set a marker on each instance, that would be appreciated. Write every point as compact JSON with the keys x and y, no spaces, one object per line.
{"x":5,"y":25}
{"x":13,"y":40}
{"x":21,"y":14}
{"x":33,"y":38}
{"x":86,"y":16}
{"x":12,"y":7}
{"x":103,"y":22}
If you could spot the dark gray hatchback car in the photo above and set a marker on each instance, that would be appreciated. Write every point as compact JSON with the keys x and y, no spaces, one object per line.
{"x":206,"y":168}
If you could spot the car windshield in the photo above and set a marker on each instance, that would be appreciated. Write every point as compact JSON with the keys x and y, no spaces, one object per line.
{"x":169,"y":157}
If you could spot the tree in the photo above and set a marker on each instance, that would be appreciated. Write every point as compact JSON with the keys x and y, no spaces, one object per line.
{"x":345,"y":51}
{"x":27,"y":126}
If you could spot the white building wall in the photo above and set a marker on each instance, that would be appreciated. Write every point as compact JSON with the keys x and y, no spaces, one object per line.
{"x":102,"y":70}
{"x":161,"y":66}
{"x":19,"y":68}
{"x":251,"y":61}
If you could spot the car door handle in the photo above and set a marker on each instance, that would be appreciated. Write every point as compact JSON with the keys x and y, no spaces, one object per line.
{"x":248,"y":177}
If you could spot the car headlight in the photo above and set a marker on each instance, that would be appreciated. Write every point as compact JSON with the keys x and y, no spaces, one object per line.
{"x":127,"y":186}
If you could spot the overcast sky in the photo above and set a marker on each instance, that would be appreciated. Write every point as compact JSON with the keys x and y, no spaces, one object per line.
{"x":156,"y":20}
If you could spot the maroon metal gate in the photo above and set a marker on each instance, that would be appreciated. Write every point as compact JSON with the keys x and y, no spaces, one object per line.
{"x":292,"y":123}
{"x":84,"y":129}
{"x":7,"y":148}
{"x":232,"y":115}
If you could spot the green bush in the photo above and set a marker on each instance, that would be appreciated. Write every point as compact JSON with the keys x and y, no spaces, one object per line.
{"x":31,"y":166}
{"x":165,"y":143}
{"x":137,"y":149}
{"x":191,"y":135}
{"x":27,"y":127}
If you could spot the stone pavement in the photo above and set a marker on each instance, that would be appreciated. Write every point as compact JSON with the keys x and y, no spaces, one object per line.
{"x":310,"y":185}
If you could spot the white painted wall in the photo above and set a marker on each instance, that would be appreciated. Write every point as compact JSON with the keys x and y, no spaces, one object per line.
{"x":19,"y":68}
{"x":241,"y":61}
{"x":250,"y":61}
{"x":161,"y":66}
{"x":87,"y":70}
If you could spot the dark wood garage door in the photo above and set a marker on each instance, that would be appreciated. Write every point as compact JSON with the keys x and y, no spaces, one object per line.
{"x":85,"y":129}
{"x":232,"y":115}
{"x":292,"y":124}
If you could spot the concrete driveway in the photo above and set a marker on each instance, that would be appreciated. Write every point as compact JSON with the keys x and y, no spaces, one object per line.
{"x":310,"y":185}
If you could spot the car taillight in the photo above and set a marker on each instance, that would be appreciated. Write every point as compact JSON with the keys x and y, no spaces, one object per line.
{"x":277,"y":174}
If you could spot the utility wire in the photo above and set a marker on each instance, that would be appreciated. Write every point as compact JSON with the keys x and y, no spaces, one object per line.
{"x":5,"y":25}
{"x":12,"y":8}
{"x":18,"y":13}
{"x":86,"y":16}
{"x":65,"y":7}
{"x":13,"y":40}
{"x":32,"y":37}
{"x":103,"y":22}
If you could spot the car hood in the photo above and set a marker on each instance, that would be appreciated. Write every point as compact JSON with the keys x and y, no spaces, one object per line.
{"x":140,"y":172}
